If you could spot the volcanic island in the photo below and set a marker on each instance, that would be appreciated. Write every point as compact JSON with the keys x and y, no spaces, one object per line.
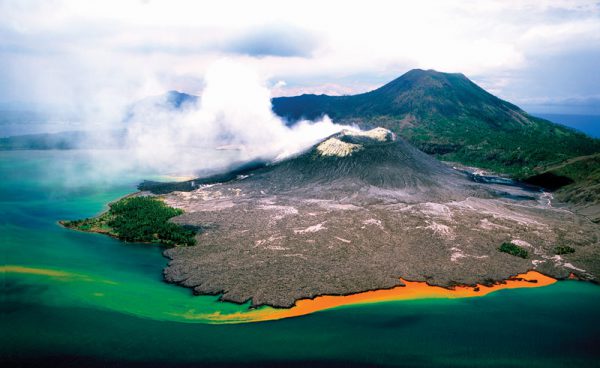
{"x":361,"y":211}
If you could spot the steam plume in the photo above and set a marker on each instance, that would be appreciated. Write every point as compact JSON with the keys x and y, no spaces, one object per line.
{"x":233,"y":113}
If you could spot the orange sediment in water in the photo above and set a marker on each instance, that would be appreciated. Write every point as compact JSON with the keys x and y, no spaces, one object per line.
{"x":213,"y":313}
{"x":47,"y":272}
{"x":34,"y":271}
{"x":412,"y":290}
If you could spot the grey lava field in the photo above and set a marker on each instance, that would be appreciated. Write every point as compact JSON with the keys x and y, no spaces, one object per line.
{"x":357,"y":212}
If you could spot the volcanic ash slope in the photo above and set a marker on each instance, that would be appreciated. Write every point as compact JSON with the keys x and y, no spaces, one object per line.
{"x":358,"y":212}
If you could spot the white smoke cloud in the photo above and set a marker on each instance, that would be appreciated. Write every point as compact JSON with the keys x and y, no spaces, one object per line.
{"x":230,"y":124}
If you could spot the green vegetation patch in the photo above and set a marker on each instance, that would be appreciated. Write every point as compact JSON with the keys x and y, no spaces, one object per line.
{"x":564,"y":249}
{"x":513,"y":249}
{"x":139,"y":219}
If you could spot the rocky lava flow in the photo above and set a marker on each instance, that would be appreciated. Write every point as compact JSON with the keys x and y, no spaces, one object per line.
{"x":358,"y":212}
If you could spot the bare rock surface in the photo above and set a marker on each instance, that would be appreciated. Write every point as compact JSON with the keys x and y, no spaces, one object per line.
{"x":359,"y":217}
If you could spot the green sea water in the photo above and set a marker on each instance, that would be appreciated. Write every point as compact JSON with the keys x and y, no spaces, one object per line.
{"x":79,"y":299}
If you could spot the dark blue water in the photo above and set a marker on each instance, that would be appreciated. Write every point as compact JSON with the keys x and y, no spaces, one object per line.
{"x":589,"y":124}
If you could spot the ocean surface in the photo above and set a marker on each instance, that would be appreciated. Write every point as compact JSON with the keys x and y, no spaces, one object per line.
{"x":589,"y":124}
{"x":72,"y":299}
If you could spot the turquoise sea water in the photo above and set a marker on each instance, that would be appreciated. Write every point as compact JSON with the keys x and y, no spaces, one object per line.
{"x":78,"y":299}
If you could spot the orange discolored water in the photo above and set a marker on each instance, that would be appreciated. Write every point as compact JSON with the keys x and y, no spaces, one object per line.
{"x":412,"y":290}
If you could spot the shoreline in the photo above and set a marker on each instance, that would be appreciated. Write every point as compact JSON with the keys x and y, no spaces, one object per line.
{"x":412,"y":290}
{"x":141,"y":214}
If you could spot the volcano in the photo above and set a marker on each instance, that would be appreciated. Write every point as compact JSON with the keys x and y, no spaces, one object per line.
{"x":357,"y":212}
{"x":448,"y":115}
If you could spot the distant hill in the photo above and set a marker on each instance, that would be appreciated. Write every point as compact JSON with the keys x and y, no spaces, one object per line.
{"x":178,"y":99}
{"x":448,"y":115}
{"x":170,"y":101}
{"x":62,"y":140}
{"x":76,"y":139}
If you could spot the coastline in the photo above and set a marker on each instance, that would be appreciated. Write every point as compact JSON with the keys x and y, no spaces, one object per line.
{"x":413,"y":290}
{"x":147,"y":218}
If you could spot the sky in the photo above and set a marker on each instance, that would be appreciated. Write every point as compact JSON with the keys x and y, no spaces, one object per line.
{"x":91,"y":58}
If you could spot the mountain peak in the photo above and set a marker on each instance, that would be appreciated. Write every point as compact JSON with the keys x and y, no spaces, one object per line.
{"x":417,"y":94}
{"x":418,"y":71}
{"x":420,"y":74}
{"x":416,"y":79}
{"x":448,"y":115}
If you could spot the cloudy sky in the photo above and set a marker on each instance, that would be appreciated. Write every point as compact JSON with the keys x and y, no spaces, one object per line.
{"x":543,"y":55}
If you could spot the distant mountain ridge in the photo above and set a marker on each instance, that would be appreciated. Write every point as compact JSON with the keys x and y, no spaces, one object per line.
{"x":448,"y":115}
{"x":171,"y":101}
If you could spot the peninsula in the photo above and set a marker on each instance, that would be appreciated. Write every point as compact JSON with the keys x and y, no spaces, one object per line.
{"x":358,"y":212}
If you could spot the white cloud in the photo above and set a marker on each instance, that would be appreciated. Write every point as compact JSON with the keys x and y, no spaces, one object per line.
{"x":67,"y":51}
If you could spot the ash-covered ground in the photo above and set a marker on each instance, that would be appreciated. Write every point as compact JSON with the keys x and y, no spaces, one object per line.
{"x":358,"y":212}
